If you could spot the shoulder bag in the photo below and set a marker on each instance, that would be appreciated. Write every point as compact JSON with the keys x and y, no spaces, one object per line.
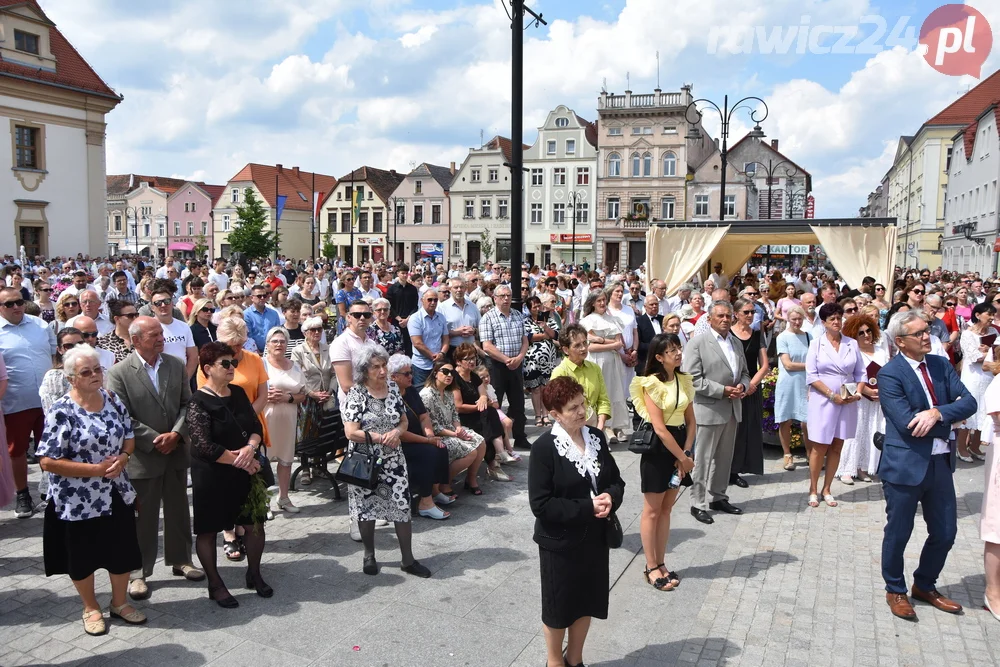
{"x":265,"y":472}
{"x":360,"y":468}
{"x":643,"y":440}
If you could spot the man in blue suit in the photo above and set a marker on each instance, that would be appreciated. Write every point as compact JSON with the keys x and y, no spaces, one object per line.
{"x":921,"y":396}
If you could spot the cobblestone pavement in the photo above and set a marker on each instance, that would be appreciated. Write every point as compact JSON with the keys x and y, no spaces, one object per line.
{"x":781,"y":585}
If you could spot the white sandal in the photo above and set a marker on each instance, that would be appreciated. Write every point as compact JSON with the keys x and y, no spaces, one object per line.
{"x":830,"y":500}
{"x":97,"y":627}
{"x":134,"y":617}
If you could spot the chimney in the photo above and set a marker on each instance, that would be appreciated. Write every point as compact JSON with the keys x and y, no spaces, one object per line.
{"x":392,"y":171}
{"x":295,"y":170}
{"x":452,"y":168}
{"x":279,"y":168}
{"x":774,"y":144}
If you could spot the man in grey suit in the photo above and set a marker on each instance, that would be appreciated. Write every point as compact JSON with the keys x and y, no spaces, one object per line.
{"x":155,"y":389}
{"x":718,"y":370}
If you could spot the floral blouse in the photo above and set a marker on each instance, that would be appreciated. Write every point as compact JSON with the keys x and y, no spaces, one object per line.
{"x":74,"y":434}
{"x":441,"y":409}
{"x":391,"y":340}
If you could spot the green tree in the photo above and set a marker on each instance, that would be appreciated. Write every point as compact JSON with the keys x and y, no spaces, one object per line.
{"x":486,"y":245}
{"x":251,"y":233}
{"x":200,"y":246}
{"x":329,"y":249}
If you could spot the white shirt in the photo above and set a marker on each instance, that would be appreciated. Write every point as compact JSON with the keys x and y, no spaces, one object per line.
{"x":323,"y":287}
{"x":720,"y":280}
{"x":940,"y":446}
{"x":674,"y":303}
{"x":373,"y":293}
{"x":220,"y":279}
{"x":177,"y":339}
{"x":727,"y":349}
{"x":104,"y":325}
{"x":153,"y":371}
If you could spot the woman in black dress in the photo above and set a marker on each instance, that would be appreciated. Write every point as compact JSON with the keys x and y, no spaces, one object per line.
{"x":573,"y":486}
{"x":475,"y":412}
{"x":225,"y":433}
{"x":748,"y":453}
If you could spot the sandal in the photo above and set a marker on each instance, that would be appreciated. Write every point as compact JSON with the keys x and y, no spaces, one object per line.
{"x":813,"y":500}
{"x":434,"y":512}
{"x":539,"y":421}
{"x":134,"y":617}
{"x":232,"y":550}
{"x":789,"y":463}
{"x":94,"y":626}
{"x":659,"y":583}
{"x":829,"y":500}
{"x":671,"y":576}
{"x":514,"y":456}
{"x":474,"y":490}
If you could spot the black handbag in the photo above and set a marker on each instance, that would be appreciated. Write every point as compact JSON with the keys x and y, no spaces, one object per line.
{"x":360,"y":468}
{"x":265,"y":472}
{"x":613,"y":532}
{"x":643,"y":440}
{"x":878,"y":440}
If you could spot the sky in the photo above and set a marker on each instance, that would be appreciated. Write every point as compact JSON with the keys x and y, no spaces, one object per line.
{"x":330,"y":85}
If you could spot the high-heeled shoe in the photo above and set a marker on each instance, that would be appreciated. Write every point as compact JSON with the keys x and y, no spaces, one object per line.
{"x":228,"y":602}
{"x":986,"y":603}
{"x":370,"y":566}
{"x":260,"y":585}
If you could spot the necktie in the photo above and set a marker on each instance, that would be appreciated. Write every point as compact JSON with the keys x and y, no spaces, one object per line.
{"x":927,"y":380}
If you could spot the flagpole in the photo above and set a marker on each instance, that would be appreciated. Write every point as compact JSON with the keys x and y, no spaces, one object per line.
{"x":312,"y":219}
{"x":277,"y":248}
{"x":354,"y":194}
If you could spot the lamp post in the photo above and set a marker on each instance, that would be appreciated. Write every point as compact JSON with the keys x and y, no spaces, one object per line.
{"x":135,"y":225}
{"x":134,"y":214}
{"x":796,"y":196}
{"x":398,"y":206}
{"x":725,"y":116}
{"x":575,"y":197}
{"x":770,"y":169}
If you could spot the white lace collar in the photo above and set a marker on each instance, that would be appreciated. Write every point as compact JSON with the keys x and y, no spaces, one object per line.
{"x":586,"y":462}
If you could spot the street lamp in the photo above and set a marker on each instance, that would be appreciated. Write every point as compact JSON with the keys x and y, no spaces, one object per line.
{"x":575,"y":197}
{"x":725,"y":116}
{"x":797,"y":196}
{"x":135,"y":226}
{"x":770,"y":169}
{"x":398,"y":206}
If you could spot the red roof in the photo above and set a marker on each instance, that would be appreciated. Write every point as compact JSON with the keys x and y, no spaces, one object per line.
{"x":969,"y":133}
{"x":291,"y":183}
{"x":214,"y":191}
{"x":122,"y":184}
{"x":505,"y":145}
{"x":590,"y":130}
{"x":72,"y":71}
{"x":970,"y":106}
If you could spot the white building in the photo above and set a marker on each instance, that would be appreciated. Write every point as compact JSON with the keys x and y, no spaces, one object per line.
{"x":480,"y":200}
{"x":560,"y":184}
{"x":54,"y":106}
{"x":971,"y":227}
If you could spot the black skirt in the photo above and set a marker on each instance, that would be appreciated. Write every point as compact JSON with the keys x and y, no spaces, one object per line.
{"x":427,"y":465}
{"x":80,"y":548}
{"x":658,"y":466}
{"x":218,"y":494}
{"x":575,"y":581}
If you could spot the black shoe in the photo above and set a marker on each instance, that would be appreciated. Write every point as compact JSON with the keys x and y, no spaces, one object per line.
{"x":371,"y":566}
{"x":725,"y":506}
{"x":416,"y":569}
{"x":227,"y":602}
{"x":739,"y":481}
{"x":260,"y":585}
{"x":702,"y":515}
{"x":23,"y":508}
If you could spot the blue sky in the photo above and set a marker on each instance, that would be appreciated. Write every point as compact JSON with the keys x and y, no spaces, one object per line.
{"x":329,"y":85}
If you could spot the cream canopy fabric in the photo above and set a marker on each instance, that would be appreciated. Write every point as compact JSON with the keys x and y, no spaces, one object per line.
{"x":676,"y":252}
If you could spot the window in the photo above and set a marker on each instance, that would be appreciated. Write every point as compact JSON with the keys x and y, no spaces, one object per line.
{"x":614,"y":208}
{"x":146,"y":210}
{"x":225,"y":223}
{"x":26,"y":41}
{"x":647,"y":164}
{"x":204,"y":227}
{"x":401,"y":214}
{"x":642,"y":130}
{"x":362,"y":220}
{"x":571,"y":146}
{"x":614,"y":165}
{"x":536,"y":214}
{"x":582,"y":213}
{"x":118,"y":223}
{"x":558,"y":213}
{"x":647,"y":130}
{"x":418,"y":187}
{"x":177,"y":229}
{"x":436,"y":214}
{"x":331,"y":221}
{"x":537,"y":177}
{"x":559,"y":176}
{"x":193,"y":207}
{"x":669,"y":129}
{"x":456,"y":247}
{"x":361,"y":193}
{"x":418,"y":214}
{"x":145,"y":229}
{"x":640,"y":208}
{"x":234,"y":195}
{"x":470,"y":208}
{"x":636,"y":164}
{"x":26,"y":149}
{"x":186,"y":207}
{"x":486,"y":209}
{"x":476,"y":176}
{"x":701,"y":204}
{"x":730,"y":205}
{"x":614,"y":131}
{"x":562,"y":122}
{"x":550,"y":148}
{"x":190,"y":228}
{"x":494,"y":175}
{"x":161,"y":229}
{"x":667,"y":208}
{"x":502,"y":208}
{"x":583,"y":175}
{"x":345,"y":222}
{"x":503,"y":250}
{"x":377,"y":221}
{"x":636,"y":131}
{"x":669,"y":164}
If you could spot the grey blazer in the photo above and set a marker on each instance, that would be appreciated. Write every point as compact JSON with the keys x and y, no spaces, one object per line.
{"x":710,"y":373}
{"x":153,"y":412}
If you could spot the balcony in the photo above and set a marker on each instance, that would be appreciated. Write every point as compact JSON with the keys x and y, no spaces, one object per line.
{"x":625,"y":224}
{"x":644,"y":101}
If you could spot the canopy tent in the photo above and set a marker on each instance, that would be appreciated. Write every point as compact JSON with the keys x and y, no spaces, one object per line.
{"x":857,"y":247}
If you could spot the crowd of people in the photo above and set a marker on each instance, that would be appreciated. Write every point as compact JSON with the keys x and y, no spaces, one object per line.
{"x":206,"y":374}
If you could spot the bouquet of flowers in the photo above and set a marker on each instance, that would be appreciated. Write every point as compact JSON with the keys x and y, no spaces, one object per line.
{"x":768,"y":425}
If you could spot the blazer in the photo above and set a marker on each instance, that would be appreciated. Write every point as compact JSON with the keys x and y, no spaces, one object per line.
{"x":319,"y":377}
{"x":646,"y":333}
{"x":153,"y":412}
{"x":834,"y":367}
{"x":710,"y":373}
{"x":905,"y":458}
{"x":560,"y":498}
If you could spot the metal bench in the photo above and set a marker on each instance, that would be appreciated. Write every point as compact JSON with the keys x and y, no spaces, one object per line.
{"x":328,"y":445}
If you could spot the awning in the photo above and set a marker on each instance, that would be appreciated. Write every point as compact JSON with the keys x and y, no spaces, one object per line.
{"x":180,"y":246}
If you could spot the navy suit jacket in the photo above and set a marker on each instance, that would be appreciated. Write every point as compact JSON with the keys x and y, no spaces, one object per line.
{"x":905,"y":458}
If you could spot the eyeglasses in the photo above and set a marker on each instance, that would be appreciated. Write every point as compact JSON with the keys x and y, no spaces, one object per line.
{"x":432,"y":300}
{"x":918,"y":334}
{"x":229,"y":363}
{"x":90,"y":372}
{"x":16,"y":303}
{"x":361,"y":316}
{"x":161,"y":303}
{"x":746,"y":312}
{"x":471,"y":359}
{"x":446,"y":371}
{"x":381,"y":309}
{"x":207,"y":309}
{"x":89,"y":334}
{"x":277,"y":340}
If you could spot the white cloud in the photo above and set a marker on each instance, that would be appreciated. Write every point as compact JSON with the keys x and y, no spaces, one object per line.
{"x":411,"y":40}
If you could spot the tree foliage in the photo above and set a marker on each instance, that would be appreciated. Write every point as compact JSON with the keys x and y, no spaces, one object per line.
{"x":200,"y":246}
{"x":251,"y":233}
{"x":486,"y":245}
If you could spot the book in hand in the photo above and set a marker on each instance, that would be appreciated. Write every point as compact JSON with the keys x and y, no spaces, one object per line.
{"x":988,"y":340}
{"x":873,"y":369}
{"x":848,"y":389}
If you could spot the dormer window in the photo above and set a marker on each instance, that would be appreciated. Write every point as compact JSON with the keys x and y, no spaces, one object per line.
{"x":26,"y":41}
{"x":562,"y":122}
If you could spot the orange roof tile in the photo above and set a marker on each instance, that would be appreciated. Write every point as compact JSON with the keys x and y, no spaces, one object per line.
{"x":290,"y":183}
{"x":968,"y":107}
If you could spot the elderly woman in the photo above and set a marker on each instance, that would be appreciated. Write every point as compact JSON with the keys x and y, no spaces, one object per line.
{"x":286,"y":389}
{"x":426,"y":454}
{"x":573,"y":487}
{"x":833,"y":365}
{"x":484,"y":304}
{"x":203,"y":330}
{"x":859,"y":455}
{"x":313,"y":359}
{"x":374,"y":409}
{"x":225,"y":434}
{"x":976,"y":378}
{"x":542,"y":330}
{"x":604,"y":333}
{"x":67,"y":307}
{"x":90,"y":518}
{"x":382,"y":330}
{"x":466,"y":447}
{"x":790,"y":388}
{"x":748,"y":451}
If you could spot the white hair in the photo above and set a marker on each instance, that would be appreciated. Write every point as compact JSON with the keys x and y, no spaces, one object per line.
{"x":362,"y":360}
{"x":382,"y":301}
{"x":721,"y":304}
{"x":77,"y":355}
{"x":314,"y":322}
{"x":899,"y":322}
{"x":398,"y":363}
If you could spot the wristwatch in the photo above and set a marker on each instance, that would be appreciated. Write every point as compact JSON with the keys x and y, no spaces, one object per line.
{"x":291,"y":398}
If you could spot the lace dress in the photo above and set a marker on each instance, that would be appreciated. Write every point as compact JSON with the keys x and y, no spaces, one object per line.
{"x":859,"y":452}
{"x":611,"y":367}
{"x":975,"y":378}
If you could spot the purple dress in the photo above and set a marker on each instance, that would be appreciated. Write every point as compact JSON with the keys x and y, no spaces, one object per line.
{"x":827,"y":420}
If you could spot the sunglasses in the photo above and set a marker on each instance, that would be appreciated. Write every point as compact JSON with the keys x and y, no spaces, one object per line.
{"x":70,"y":346}
{"x":917,"y":291}
{"x":446,"y":371}
{"x":405,"y":373}
{"x":848,"y":311}
{"x":16,"y":303}
{"x":161,"y":303}
{"x":864,"y":332}
{"x":44,"y":289}
{"x":89,"y":334}
{"x":130,"y":316}
{"x":432,"y":300}
{"x":879,"y":289}
{"x":90,"y":372}
{"x":949,"y":304}
{"x":207,"y":309}
{"x":361,"y":316}
{"x":229,"y":363}
{"x":746,"y":312}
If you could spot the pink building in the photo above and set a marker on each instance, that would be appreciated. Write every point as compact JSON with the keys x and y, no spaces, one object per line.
{"x":189,"y":218}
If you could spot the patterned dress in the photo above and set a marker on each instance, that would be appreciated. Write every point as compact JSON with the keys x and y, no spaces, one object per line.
{"x":113,"y":343}
{"x":391,"y":340}
{"x":542,"y":356}
{"x":444,"y":414}
{"x":390,"y":500}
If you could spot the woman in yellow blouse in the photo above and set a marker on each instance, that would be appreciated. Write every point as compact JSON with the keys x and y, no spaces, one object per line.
{"x":574,"y":344}
{"x":663,"y":397}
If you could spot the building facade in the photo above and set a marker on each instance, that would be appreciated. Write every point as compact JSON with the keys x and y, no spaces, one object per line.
{"x":420,"y":215}
{"x":480,"y":202}
{"x":560,"y":188}
{"x":54,"y":105}
{"x":643,"y":160}
{"x":146,"y":217}
{"x":189,"y":219}
{"x":972,"y":228}
{"x":704,"y":191}
{"x":124,"y":220}
{"x":783,"y":186}
{"x":359,"y":233}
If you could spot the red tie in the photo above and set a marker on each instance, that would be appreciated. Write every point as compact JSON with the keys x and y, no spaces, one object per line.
{"x":927,"y":381}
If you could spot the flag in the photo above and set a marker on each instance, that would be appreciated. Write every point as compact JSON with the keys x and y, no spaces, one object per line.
{"x":355,"y":208}
{"x":281,"y":206}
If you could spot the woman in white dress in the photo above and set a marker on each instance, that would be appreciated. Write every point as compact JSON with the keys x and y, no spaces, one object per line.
{"x":859,"y":458}
{"x":604,"y":333}
{"x":974,"y":354}
{"x":630,"y":331}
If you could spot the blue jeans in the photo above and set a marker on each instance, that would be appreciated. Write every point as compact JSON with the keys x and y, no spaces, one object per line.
{"x":419,"y":377}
